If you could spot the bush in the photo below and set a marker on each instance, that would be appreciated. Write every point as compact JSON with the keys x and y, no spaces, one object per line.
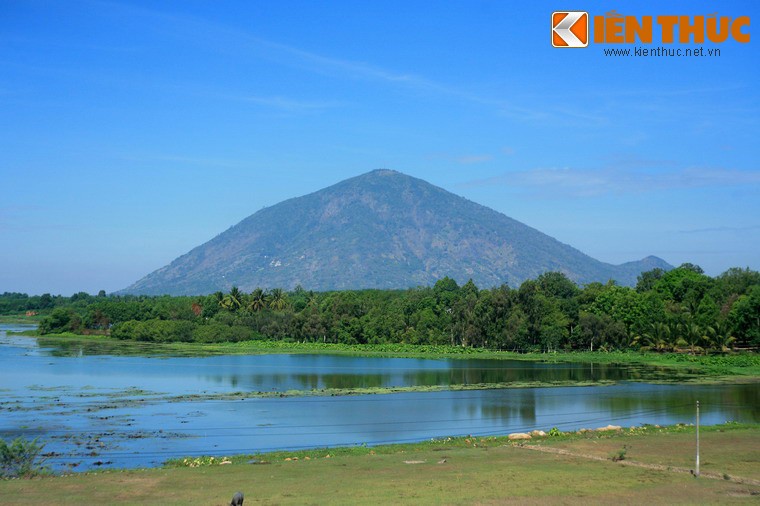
{"x":61,"y":320}
{"x":20,"y":458}
{"x":218,"y":333}
{"x":619,"y":455}
{"x":158,"y":331}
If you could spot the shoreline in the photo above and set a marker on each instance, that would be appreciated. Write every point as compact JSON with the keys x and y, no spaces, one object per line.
{"x":741,"y":367}
{"x":549,"y":436}
{"x":646,"y":464}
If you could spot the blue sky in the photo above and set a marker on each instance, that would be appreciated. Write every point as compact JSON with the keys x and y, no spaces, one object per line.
{"x":131,"y":132}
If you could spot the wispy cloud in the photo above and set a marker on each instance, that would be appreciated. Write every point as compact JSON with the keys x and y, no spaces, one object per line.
{"x":191,"y":27}
{"x":749,"y":228}
{"x":633,"y":161}
{"x":224,"y":37}
{"x":286,"y":103}
{"x":597,"y":182}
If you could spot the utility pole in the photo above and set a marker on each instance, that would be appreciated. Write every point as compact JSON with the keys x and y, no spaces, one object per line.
{"x":696,"y":470}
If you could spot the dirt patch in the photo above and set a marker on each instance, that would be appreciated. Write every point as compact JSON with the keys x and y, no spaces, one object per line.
{"x":744,"y":493}
{"x":632,"y":463}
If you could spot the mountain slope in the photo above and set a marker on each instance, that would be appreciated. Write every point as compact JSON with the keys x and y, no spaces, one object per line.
{"x":382,"y":229}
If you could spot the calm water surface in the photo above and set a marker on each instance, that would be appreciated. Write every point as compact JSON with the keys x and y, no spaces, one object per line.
{"x":127,"y":411}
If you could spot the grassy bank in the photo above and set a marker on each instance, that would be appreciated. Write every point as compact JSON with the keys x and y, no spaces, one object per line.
{"x":575,"y":468}
{"x":21,"y":318}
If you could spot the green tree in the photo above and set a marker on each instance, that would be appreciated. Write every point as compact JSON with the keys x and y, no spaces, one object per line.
{"x":692,"y":336}
{"x":46,"y":301}
{"x":684,"y":283}
{"x":707,"y":312}
{"x":720,"y":337}
{"x":745,"y":317}
{"x":61,"y":320}
{"x":734,"y":283}
{"x":599,"y":330}
{"x":546,"y":325}
{"x":277,"y":299}
{"x":21,"y":458}
{"x":647,"y":280}
{"x":257,"y":300}
{"x":659,"y":336}
{"x":556,"y":284}
{"x":233,"y":300}
{"x":621,"y":304}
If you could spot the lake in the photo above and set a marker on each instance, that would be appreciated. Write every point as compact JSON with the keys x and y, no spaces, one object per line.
{"x":96,"y":409}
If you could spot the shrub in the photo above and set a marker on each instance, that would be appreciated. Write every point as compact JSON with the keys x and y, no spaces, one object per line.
{"x":61,"y":320}
{"x":217,"y":333}
{"x":159,"y":331}
{"x":20,"y":458}
{"x":619,"y":455}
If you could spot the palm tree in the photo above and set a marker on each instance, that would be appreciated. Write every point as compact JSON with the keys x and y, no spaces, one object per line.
{"x":629,"y":340}
{"x":657,"y":337}
{"x":719,"y":336}
{"x":257,"y":300}
{"x":277,"y":299}
{"x":692,"y":336}
{"x":233,"y":300}
{"x":311,"y":299}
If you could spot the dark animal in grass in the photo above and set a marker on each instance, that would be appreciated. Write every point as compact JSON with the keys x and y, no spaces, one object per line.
{"x":237,"y":499}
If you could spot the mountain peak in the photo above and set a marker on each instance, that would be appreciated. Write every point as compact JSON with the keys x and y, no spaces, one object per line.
{"x":385,"y":172}
{"x":381,"y":229}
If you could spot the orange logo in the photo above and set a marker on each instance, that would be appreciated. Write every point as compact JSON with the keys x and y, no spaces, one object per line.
{"x":570,"y":29}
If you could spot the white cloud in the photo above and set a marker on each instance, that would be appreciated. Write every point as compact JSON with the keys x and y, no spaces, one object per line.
{"x":749,"y":228}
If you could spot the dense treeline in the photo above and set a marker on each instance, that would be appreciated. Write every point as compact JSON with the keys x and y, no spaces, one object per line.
{"x":12,"y":303}
{"x":679,"y":309}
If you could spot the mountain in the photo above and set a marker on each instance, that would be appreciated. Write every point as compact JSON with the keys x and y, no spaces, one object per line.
{"x":382,"y":229}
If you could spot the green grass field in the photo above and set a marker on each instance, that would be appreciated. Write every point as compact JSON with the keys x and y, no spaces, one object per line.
{"x":460,"y":471}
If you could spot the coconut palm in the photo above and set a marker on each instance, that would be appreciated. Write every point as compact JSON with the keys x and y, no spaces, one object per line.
{"x":257,"y":301}
{"x":233,"y":300}
{"x":658,"y":337}
{"x":277,"y":299}
{"x":692,"y":336}
{"x":719,"y":336}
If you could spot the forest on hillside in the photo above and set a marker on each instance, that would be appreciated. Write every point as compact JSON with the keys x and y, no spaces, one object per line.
{"x":681,"y":309}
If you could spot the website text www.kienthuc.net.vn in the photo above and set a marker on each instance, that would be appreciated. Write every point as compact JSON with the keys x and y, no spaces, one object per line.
{"x":662,"y":52}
